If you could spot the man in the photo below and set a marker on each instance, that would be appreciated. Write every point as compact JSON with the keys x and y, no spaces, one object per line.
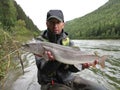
{"x":52,"y":74}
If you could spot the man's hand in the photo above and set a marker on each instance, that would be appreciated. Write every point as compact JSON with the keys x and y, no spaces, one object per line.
{"x":50,"y":56}
{"x":87,"y":65}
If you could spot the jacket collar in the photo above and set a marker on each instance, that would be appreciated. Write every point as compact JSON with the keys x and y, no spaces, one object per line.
{"x":47,"y":34}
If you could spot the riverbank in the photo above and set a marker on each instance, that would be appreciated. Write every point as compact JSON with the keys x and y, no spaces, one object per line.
{"x":15,"y":79}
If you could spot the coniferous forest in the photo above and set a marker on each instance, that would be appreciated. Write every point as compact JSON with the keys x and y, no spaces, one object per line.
{"x":103,"y":23}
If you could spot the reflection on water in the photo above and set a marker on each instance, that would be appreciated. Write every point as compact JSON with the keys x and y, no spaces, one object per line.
{"x":110,"y":75}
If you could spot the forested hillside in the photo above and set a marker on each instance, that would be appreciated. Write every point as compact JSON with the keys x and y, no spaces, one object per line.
{"x":103,"y":23}
{"x":15,"y":28}
{"x":14,"y":21}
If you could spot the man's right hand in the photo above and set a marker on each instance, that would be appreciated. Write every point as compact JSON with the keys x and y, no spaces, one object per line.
{"x":48,"y":54}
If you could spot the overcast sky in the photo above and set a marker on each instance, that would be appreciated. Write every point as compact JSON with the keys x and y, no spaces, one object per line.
{"x":37,"y":9}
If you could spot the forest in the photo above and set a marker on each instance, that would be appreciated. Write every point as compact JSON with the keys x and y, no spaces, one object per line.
{"x":103,"y":23}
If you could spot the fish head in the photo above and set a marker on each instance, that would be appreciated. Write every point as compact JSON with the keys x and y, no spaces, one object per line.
{"x":35,"y":48}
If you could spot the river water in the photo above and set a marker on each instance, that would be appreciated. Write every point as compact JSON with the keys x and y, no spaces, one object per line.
{"x":109,"y":76}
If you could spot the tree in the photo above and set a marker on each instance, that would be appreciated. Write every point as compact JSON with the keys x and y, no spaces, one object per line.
{"x":7,"y":13}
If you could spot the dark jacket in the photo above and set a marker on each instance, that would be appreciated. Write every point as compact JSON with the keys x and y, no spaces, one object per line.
{"x":54,"y":70}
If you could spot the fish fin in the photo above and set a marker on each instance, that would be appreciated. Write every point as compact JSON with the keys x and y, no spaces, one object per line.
{"x":45,"y":56}
{"x":93,"y":65}
{"x":78,"y":66}
{"x":45,"y":47}
{"x":102,"y":61}
{"x":96,"y":53}
{"x":76,"y":48}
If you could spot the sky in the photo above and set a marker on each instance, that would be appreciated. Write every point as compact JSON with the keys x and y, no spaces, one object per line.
{"x":37,"y":9}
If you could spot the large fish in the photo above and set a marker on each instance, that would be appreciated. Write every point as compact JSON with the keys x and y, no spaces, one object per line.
{"x":64,"y":54}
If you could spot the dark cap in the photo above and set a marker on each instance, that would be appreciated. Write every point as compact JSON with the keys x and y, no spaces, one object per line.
{"x":58,"y":14}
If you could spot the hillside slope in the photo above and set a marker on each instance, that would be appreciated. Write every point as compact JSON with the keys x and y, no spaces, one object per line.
{"x":15,"y":28}
{"x":103,"y":23}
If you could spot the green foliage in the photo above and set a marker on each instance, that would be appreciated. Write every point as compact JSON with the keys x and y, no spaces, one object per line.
{"x":7,"y":13}
{"x":6,"y":47}
{"x":29,"y":23}
{"x":15,"y":28}
{"x":21,"y":33}
{"x":104,"y":23}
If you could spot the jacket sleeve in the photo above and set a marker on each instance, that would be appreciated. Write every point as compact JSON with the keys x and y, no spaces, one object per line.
{"x":44,"y":65}
{"x":72,"y":68}
{"x":39,"y":61}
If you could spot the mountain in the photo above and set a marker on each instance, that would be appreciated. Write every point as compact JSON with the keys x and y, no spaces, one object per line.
{"x":103,"y":23}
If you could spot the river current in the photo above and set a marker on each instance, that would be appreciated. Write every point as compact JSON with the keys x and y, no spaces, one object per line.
{"x":109,"y":76}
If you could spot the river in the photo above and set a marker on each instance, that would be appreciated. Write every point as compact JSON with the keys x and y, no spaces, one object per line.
{"x":109,"y":76}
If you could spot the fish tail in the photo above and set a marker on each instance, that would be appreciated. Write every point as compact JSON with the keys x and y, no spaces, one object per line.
{"x":102,"y":61}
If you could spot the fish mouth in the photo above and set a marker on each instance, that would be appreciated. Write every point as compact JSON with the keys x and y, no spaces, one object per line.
{"x":25,"y":46}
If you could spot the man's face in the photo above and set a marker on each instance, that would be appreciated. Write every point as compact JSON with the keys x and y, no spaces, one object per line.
{"x":55,"y":25}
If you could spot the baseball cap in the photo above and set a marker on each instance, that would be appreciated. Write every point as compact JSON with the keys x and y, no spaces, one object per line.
{"x":58,"y":14}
